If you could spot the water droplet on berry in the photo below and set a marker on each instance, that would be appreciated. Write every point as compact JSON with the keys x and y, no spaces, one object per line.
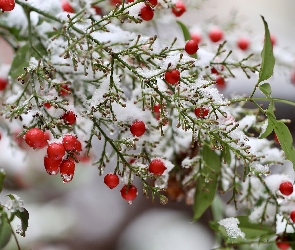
{"x":129,"y":202}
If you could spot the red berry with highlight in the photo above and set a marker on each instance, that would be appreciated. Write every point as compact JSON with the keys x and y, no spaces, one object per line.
{"x":67,"y":170}
{"x":157,"y":166}
{"x":3,"y":82}
{"x":215,"y":35}
{"x":51,"y":165}
{"x":153,"y":2}
{"x":69,"y":117}
{"x":191,"y":47}
{"x":111,"y":180}
{"x":70,"y":142}
{"x":282,"y":244}
{"x":35,"y":138}
{"x":178,"y":9}
{"x":243,"y":43}
{"x":137,"y":128}
{"x":65,"y":90}
{"x":7,"y":5}
{"x":286,"y":188}
{"x":129,"y":192}
{"x":147,"y":13}
{"x":67,"y":7}
{"x":172,"y":76}
{"x":56,"y":150}
{"x":201,"y":112}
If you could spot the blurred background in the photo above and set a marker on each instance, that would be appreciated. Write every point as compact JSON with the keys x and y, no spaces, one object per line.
{"x":85,"y":213}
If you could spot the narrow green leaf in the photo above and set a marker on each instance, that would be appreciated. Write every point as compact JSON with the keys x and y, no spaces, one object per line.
{"x":206,"y":187}
{"x":185,"y":32}
{"x":5,"y":231}
{"x":2,"y":177}
{"x":268,"y":59}
{"x":252,"y":230}
{"x":265,"y":89}
{"x":20,"y":60}
{"x":24,"y":217}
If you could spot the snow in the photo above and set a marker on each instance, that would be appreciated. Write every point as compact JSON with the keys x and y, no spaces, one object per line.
{"x":231,"y":227}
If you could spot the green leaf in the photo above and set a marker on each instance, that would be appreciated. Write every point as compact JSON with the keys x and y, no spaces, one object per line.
{"x":20,"y":61}
{"x":2,"y":177}
{"x":265,"y":89}
{"x":269,"y":127}
{"x":204,"y":198}
{"x":185,"y":32}
{"x":23,"y":56}
{"x":268,"y":59}
{"x":284,"y":136}
{"x":252,"y":230}
{"x":5,"y":231}
{"x":24,"y":217}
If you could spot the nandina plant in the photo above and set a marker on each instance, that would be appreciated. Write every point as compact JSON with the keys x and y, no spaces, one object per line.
{"x":86,"y":76}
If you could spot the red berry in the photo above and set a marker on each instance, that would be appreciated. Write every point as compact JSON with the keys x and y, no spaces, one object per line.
{"x":67,"y":170}
{"x":292,"y":215}
{"x":3,"y":82}
{"x":191,"y":47}
{"x":56,"y":150}
{"x":215,"y":35}
{"x":282,"y":243}
{"x":273,"y":40}
{"x":67,"y":7}
{"x":286,"y":188}
{"x":147,"y":13}
{"x":196,"y":37}
{"x":69,"y":117}
{"x":214,"y":71}
{"x":98,"y":10}
{"x":220,"y":82}
{"x":243,"y":43}
{"x":129,"y":192}
{"x":70,"y":142}
{"x":7,"y":5}
{"x":46,"y":139}
{"x":65,"y":90}
{"x":157,"y":166}
{"x":157,"y":108}
{"x":35,"y":138}
{"x":51,"y":165}
{"x":47,"y":105}
{"x":111,"y":180}
{"x":172,"y":76}
{"x":201,"y":112}
{"x":130,"y":1}
{"x":179,"y":8}
{"x":153,"y":2}
{"x":115,"y":2}
{"x":137,"y":128}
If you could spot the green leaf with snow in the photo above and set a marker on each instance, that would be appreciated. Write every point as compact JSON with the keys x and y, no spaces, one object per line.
{"x":267,"y":57}
{"x":206,"y":182}
{"x":24,"y":217}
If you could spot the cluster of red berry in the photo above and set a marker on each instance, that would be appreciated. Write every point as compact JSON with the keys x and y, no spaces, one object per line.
{"x":286,"y":188}
{"x":56,"y":160}
{"x":146,"y":12}
{"x":129,"y":191}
